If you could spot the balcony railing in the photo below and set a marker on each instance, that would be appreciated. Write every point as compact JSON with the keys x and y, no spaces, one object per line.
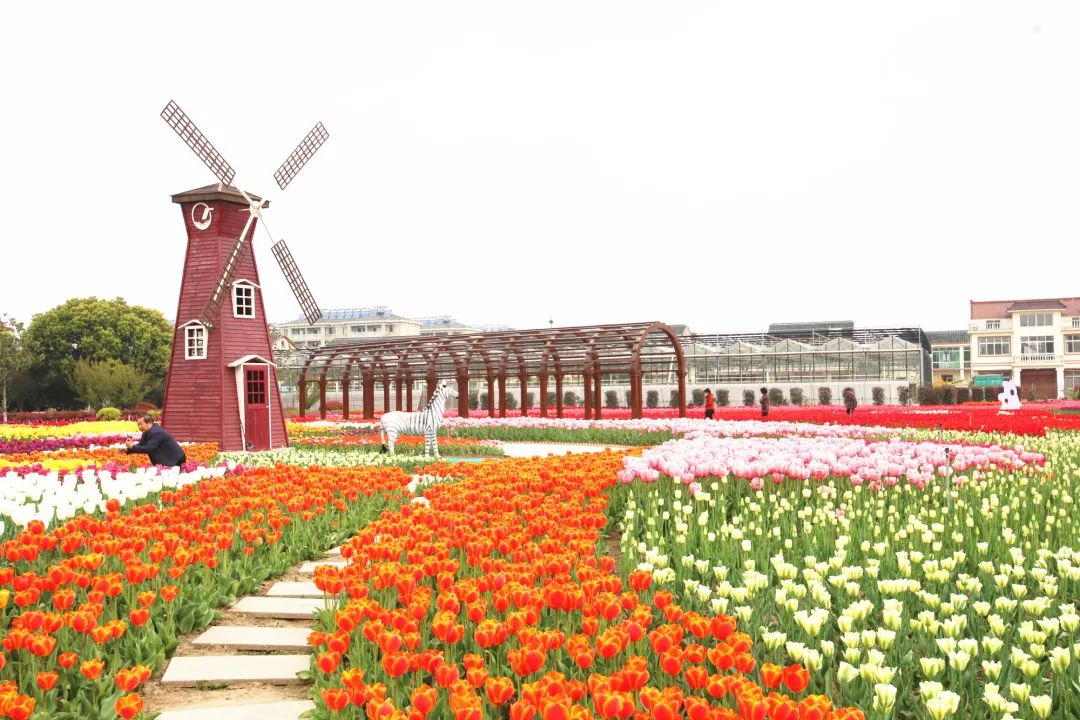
{"x":1076,"y":323}
{"x":1038,"y":359}
{"x":990,"y":326}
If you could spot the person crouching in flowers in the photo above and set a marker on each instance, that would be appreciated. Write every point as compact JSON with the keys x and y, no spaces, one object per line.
{"x":157,"y":443}
{"x":764,"y":402}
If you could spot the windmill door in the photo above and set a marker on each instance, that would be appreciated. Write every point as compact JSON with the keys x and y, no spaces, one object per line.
{"x":256,"y":408}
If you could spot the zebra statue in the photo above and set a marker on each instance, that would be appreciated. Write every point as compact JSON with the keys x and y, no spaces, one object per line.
{"x":425,"y":422}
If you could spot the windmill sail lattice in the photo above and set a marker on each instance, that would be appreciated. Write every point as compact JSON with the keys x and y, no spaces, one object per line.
{"x":299,"y":157}
{"x":296,"y":282}
{"x":190,"y":134}
{"x":205,"y":150}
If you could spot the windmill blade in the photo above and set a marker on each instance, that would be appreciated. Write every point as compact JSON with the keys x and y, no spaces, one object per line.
{"x":228,"y":273}
{"x":296,"y":282}
{"x":300,"y":156}
{"x":190,"y":134}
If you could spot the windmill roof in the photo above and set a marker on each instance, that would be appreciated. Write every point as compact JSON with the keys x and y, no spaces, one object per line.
{"x":217,"y":191}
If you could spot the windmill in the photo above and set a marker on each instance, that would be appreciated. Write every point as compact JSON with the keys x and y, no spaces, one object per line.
{"x":222,"y":385}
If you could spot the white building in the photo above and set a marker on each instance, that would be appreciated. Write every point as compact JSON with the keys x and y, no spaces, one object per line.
{"x":1034,"y":343}
{"x":348,"y":324}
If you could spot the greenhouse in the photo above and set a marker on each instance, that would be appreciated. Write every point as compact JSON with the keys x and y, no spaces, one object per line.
{"x":806,"y":354}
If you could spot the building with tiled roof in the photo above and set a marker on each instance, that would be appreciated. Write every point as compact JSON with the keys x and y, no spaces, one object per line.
{"x":1035,"y":343}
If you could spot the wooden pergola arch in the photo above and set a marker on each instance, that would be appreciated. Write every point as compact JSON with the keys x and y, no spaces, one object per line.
{"x":591,"y":351}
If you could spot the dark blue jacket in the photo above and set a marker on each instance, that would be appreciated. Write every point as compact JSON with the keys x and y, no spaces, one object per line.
{"x":160,"y":446}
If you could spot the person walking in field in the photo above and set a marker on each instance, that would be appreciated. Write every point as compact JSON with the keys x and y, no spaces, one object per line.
{"x":850,"y":402}
{"x":157,"y":443}
{"x":710,"y":404}
{"x":764,"y":402}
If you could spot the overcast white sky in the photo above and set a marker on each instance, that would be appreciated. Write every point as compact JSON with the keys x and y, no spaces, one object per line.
{"x":721,"y":164}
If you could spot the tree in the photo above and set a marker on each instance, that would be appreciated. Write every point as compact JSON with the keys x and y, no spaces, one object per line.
{"x":109,"y":383}
{"x":96,"y":330}
{"x":13,"y":357}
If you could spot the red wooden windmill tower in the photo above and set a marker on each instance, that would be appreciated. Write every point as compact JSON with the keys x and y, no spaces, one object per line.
{"x":222,"y":384}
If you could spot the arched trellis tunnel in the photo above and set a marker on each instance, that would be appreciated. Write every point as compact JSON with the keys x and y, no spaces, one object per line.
{"x":553,"y":356}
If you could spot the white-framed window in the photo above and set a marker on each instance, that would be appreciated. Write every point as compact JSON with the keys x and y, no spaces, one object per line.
{"x":1072,"y":382}
{"x":1037,"y":345}
{"x":993,"y":324}
{"x":1072,"y":343}
{"x":994,"y":345}
{"x":195,"y":342}
{"x":243,"y":299}
{"x":947,"y":358}
{"x":1037,"y":320}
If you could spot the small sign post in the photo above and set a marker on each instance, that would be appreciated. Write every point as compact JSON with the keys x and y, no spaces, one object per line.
{"x":988,"y":380}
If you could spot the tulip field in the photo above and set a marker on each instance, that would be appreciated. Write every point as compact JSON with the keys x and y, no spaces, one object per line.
{"x":917,"y":564}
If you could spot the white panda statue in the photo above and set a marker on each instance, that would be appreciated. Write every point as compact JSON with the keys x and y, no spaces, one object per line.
{"x":1010,"y":399}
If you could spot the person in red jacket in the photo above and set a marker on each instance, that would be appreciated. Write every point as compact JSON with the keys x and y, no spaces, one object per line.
{"x":710,"y":404}
{"x":764,"y":402}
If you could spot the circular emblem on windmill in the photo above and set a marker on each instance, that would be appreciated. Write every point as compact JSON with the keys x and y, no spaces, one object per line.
{"x":201,"y":218}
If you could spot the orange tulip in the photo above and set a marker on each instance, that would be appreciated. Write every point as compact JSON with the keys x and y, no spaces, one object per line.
{"x":814,"y":707}
{"x":423,"y":699}
{"x":696,"y":677}
{"x":796,"y":678}
{"x":781,"y":707}
{"x":92,"y":668}
{"x":522,"y":710}
{"x":20,"y":707}
{"x":499,"y":690}
{"x":395,"y":665}
{"x":328,"y":662}
{"x":47,"y":680}
{"x":128,"y":706}
{"x":847,"y":713}
{"x":744,"y":662}
{"x":127,"y":679}
{"x":697,"y":708}
{"x":336,"y":699}
{"x":771,"y":675}
{"x":352,"y":678}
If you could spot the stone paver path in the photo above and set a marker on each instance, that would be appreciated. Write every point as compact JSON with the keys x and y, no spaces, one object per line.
{"x":287,"y":608}
{"x":244,"y":637}
{"x":294,"y":589}
{"x":255,"y":655}
{"x":284,"y":710}
{"x":215,"y":669}
{"x":308,"y":568}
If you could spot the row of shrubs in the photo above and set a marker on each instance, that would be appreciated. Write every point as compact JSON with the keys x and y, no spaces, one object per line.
{"x":906,"y":394}
{"x":950,"y":395}
{"x":105,"y":413}
{"x":795,"y":396}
